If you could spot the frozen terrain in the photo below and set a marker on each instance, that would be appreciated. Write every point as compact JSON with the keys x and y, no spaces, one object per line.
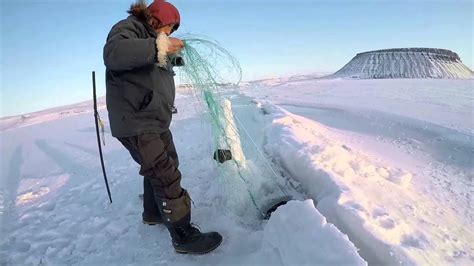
{"x":390,"y":162}
{"x":380,"y":171}
{"x":54,"y":207}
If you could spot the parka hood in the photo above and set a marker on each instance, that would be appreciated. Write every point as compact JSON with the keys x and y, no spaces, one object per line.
{"x":139,"y":9}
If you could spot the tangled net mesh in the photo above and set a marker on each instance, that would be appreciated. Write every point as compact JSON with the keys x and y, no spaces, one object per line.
{"x":209,"y":71}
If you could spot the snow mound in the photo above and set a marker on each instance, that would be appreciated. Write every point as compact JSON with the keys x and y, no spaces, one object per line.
{"x":405,"y":63}
{"x":302,"y":236}
{"x":376,"y":205}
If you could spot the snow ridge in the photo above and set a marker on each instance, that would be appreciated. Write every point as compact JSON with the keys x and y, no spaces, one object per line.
{"x":375,"y":204}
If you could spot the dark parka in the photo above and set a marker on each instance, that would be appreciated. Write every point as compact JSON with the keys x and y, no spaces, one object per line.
{"x":140,"y":94}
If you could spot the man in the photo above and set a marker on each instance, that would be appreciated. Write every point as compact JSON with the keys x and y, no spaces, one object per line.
{"x":139,"y":56}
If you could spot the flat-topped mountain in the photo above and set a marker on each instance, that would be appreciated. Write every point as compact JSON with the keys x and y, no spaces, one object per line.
{"x":405,"y":63}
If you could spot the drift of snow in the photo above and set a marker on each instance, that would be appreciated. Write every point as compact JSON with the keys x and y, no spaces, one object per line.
{"x":383,"y":159}
{"x":319,"y":243}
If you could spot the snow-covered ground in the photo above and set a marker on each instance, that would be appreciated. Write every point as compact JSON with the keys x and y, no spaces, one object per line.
{"x":389,"y":162}
{"x":380,"y":171}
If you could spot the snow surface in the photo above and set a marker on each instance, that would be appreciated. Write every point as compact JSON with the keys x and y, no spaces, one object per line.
{"x":389,"y":162}
{"x":380,"y":171}
{"x":56,"y":113}
{"x":54,"y":208}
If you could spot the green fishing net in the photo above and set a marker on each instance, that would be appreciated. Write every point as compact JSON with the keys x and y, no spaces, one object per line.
{"x":210,"y":71}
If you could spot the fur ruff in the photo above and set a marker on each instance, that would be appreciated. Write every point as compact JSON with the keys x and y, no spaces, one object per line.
{"x":139,"y":9}
{"x":162,"y":45}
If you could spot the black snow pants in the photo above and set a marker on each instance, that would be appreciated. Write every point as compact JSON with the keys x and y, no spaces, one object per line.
{"x":162,"y":192}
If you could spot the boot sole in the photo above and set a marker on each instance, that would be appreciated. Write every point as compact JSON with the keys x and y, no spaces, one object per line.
{"x":151,"y":223}
{"x":198,"y":253}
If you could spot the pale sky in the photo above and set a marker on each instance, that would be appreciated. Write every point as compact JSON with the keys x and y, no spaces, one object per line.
{"x":49,"y":48}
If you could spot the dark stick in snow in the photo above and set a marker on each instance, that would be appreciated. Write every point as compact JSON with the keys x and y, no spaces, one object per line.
{"x":97,"y":118}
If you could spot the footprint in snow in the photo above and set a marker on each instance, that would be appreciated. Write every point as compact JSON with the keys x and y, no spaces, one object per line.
{"x":377,"y":212}
{"x":387,"y":223}
{"x":383,"y":219}
{"x":415,"y":240}
{"x":396,"y":176}
{"x":355,"y":206}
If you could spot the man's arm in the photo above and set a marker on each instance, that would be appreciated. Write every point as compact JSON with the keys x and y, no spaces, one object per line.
{"x":125,"y":51}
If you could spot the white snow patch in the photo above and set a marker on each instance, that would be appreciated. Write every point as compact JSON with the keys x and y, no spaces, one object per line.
{"x":302,"y":236}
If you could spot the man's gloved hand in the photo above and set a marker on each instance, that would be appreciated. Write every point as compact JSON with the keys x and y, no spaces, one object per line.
{"x":177,"y":61}
{"x":166,"y":46}
{"x":175,"y":45}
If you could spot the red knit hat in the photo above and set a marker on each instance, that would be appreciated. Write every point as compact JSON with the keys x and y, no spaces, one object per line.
{"x":165,"y":13}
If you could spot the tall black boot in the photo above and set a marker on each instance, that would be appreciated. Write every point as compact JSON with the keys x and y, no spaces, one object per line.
{"x":151,"y":214}
{"x":186,"y":238}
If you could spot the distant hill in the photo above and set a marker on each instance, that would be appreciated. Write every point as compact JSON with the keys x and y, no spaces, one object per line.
{"x":405,"y":63}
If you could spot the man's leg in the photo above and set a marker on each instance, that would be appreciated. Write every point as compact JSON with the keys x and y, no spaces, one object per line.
{"x":167,"y":138}
{"x":159,"y":166}
{"x":173,"y":202}
{"x":151,"y":214}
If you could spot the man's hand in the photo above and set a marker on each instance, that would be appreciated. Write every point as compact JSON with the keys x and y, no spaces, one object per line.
{"x":175,"y":45}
